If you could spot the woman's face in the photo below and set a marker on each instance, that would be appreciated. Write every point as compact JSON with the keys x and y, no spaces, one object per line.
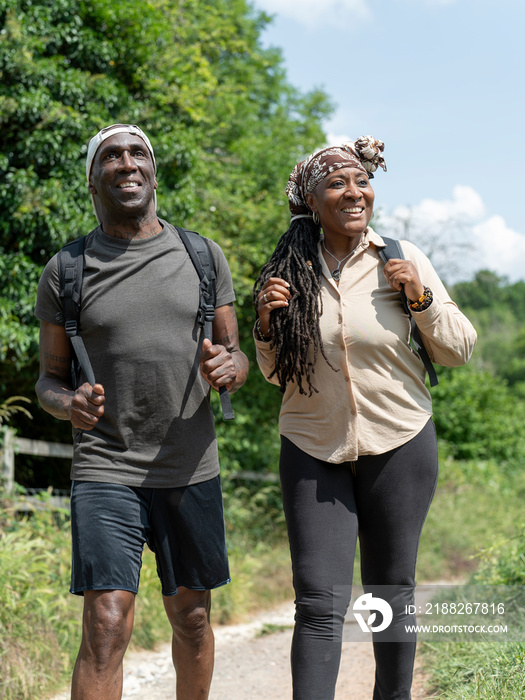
{"x":344,"y":201}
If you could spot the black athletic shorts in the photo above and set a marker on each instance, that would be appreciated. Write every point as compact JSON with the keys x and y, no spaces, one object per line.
{"x":184,"y":526}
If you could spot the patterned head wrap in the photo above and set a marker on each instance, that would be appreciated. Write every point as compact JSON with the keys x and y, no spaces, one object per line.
{"x":365,"y":154}
{"x":104,"y":134}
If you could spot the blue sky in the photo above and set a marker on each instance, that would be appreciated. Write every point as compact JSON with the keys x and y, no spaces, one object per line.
{"x":441,"y":82}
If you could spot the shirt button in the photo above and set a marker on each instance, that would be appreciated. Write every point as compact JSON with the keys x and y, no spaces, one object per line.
{"x":347,"y":379}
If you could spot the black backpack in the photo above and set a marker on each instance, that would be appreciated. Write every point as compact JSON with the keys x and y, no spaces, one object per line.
{"x":393,"y":250}
{"x":71,"y":272}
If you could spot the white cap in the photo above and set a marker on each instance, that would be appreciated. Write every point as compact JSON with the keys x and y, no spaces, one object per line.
{"x":105,"y":133}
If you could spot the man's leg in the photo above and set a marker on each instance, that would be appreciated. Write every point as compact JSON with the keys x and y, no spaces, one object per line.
{"x":193,"y":643}
{"x":106,"y":631}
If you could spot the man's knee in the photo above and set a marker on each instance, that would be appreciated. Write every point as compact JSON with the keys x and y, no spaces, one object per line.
{"x":189,"y":614}
{"x":108,"y":623}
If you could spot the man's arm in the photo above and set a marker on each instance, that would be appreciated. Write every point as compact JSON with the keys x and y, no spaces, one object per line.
{"x":224,"y":363}
{"x":82,"y":407}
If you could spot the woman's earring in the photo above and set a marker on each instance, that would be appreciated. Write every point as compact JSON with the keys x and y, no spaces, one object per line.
{"x":315,"y":217}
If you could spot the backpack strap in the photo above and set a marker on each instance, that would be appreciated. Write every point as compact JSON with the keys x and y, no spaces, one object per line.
{"x":393,"y":249}
{"x":200,"y":254}
{"x":70,"y":274}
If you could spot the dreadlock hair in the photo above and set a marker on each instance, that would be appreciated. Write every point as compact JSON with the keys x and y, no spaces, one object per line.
{"x":295,"y":328}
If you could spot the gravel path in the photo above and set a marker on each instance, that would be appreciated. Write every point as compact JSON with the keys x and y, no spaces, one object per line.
{"x":251,"y":666}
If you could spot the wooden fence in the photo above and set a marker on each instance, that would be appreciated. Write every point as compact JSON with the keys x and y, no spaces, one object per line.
{"x":16,"y":445}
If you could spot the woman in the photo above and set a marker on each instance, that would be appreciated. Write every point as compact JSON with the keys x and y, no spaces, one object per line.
{"x":358,"y":452}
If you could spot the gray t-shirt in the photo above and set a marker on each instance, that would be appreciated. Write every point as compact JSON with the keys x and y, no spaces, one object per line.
{"x":138,"y":323}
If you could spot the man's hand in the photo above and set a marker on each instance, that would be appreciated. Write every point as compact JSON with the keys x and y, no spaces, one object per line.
{"x":87,"y":406}
{"x":217,"y":365}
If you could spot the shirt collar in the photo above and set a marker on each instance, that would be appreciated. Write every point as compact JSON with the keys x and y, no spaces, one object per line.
{"x":369,"y":236}
{"x":375,"y":239}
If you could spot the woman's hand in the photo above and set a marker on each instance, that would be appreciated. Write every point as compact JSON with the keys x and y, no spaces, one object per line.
{"x":401,"y":274}
{"x":274,"y":294}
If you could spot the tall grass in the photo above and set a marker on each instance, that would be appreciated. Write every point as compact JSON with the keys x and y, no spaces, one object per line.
{"x":481,"y":509}
{"x":492,"y":670}
{"x":40,"y":622}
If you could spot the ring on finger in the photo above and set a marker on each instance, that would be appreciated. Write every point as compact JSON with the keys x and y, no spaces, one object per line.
{"x":265,"y":298}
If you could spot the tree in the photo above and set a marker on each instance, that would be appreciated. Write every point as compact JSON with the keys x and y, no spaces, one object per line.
{"x":485,"y":291}
{"x":226,"y":126}
{"x":478,"y":416}
{"x":496,"y":307}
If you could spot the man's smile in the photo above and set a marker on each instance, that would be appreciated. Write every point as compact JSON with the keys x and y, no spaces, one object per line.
{"x":129,"y":184}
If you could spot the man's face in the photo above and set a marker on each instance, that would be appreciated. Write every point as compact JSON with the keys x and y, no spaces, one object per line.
{"x":123,"y":177}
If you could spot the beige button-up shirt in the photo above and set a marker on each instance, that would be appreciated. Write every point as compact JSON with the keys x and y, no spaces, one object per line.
{"x":377,"y":399}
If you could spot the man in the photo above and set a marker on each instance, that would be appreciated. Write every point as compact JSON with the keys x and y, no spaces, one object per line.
{"x":145,"y":465}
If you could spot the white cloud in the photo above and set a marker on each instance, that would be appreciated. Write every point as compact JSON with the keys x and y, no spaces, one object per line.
{"x":312,"y":13}
{"x":502,"y":248}
{"x":458,"y":236}
{"x":465,"y":205}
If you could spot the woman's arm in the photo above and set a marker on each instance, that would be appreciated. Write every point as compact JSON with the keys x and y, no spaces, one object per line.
{"x":448,"y":335}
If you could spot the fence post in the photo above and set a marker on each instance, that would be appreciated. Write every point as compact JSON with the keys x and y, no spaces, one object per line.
{"x":7,"y":473}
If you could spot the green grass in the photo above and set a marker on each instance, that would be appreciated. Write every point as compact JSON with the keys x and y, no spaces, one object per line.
{"x":476,"y":671}
{"x":477,"y":505}
{"x":476,"y":531}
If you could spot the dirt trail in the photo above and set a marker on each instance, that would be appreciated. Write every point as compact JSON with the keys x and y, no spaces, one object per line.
{"x":251,"y":666}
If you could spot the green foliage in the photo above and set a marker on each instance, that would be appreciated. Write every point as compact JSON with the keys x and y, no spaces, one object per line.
{"x":253,"y":512}
{"x":503,"y":563}
{"x":9,"y":407}
{"x":478,"y":416}
{"x":489,"y":291}
{"x":227,"y":128}
{"x":479,"y":409}
{"x":18,"y":332}
{"x":497,"y":310}
{"x":483,"y":292}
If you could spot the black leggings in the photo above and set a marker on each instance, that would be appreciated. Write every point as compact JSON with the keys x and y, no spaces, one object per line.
{"x":383,"y":499}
